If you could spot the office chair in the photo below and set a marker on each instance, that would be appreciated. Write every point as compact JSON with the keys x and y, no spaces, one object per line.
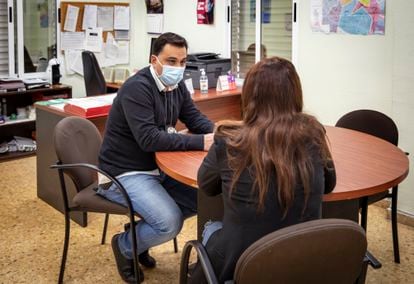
{"x":77,"y":142}
{"x":318,"y":251}
{"x":377,"y":124}
{"x":92,"y":74}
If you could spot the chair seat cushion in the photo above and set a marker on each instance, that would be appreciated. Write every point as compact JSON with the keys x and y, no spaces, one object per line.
{"x":88,"y":200}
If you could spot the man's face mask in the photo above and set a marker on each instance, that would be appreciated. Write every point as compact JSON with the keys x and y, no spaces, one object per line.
{"x":171,"y":75}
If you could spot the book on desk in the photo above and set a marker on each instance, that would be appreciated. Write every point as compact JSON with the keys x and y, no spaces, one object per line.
{"x":90,"y":107}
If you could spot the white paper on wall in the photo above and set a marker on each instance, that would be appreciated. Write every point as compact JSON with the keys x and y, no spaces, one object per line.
{"x":90,"y":14}
{"x":106,"y":18}
{"x":155,"y":23}
{"x":121,"y":18}
{"x":72,"y":40}
{"x":71,"y":18}
{"x":93,"y":39}
{"x":123,"y":53}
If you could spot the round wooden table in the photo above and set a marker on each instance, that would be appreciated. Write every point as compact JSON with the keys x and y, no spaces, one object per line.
{"x":365,"y":164}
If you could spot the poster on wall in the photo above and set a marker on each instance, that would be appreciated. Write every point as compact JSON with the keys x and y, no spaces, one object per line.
{"x":205,"y":12}
{"x":359,"y":17}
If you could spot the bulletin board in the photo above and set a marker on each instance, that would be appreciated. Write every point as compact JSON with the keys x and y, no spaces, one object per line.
{"x":81,"y":6}
{"x":109,"y":54}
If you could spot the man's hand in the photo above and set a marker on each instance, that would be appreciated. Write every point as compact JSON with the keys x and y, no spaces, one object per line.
{"x":208,"y":140}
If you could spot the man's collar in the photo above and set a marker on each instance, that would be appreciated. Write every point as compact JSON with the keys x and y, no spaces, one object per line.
{"x":161,"y":87}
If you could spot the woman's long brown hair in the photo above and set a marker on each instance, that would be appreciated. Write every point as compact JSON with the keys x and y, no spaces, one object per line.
{"x":275,"y":136}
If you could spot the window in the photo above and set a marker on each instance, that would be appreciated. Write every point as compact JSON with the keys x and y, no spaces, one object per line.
{"x":4,"y":39}
{"x":253,"y":38}
{"x":27,"y":36}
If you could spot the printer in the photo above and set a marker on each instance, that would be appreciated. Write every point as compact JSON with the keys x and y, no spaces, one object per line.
{"x":211,"y":63}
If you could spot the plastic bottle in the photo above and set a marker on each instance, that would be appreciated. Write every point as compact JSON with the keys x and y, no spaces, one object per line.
{"x":203,"y":82}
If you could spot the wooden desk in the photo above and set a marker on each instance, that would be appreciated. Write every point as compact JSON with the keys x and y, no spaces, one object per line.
{"x":112,"y":87}
{"x":365,"y":165}
{"x":214,"y":105}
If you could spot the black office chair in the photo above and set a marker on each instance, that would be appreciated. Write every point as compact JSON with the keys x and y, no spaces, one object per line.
{"x":92,"y":74}
{"x":377,"y":124}
{"x":319,"y":251}
{"x":77,"y":143}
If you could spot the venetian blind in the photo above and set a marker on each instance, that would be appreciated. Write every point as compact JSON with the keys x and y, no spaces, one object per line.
{"x":243,"y":32}
{"x":277,"y":34}
{"x":4,"y":41}
{"x":276,"y":31}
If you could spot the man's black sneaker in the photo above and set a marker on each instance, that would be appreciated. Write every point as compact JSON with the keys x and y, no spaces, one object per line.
{"x":125,"y":266}
{"x":146,"y":260}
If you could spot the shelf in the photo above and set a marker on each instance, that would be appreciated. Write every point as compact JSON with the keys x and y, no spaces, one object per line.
{"x":17,"y":121}
{"x":15,"y":155}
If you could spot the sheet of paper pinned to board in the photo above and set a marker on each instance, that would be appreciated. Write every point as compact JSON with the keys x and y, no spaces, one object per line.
{"x":106,"y":18}
{"x":121,"y":35}
{"x":90,"y":14}
{"x":123,"y":52}
{"x":71,"y":18}
{"x":94,"y":39}
{"x":111,"y":48}
{"x":73,"y":62}
{"x":121,"y":18}
{"x":72,"y":40}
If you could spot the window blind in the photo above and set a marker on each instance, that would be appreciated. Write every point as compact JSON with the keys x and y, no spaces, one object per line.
{"x":4,"y":42}
{"x":276,"y":29}
{"x":243,"y":33}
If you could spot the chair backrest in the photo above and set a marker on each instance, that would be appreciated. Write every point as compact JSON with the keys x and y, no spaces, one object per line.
{"x":77,"y":140}
{"x":371,"y":122}
{"x":92,"y":74}
{"x":319,"y":251}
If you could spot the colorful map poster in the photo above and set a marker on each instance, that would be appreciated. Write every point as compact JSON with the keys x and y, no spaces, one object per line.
{"x":361,"y":17}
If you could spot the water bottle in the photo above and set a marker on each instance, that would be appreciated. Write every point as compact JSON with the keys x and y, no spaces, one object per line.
{"x":203,"y":82}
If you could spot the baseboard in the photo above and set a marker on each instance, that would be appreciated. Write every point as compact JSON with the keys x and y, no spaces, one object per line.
{"x":402,"y":217}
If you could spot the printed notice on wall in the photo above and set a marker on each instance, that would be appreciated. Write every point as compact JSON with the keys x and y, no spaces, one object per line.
{"x":121,"y":18}
{"x":71,"y":18}
{"x":90,"y":15}
{"x":360,"y":17}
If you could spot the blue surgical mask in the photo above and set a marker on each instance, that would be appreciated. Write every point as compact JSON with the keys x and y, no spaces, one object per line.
{"x":171,"y":75}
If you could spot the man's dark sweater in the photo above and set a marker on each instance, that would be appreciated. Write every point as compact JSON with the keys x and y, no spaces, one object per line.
{"x":137,"y":122}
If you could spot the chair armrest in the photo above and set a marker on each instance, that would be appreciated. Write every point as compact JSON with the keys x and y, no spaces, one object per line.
{"x":406,"y":153}
{"x":202,"y":258}
{"x":95,"y":168}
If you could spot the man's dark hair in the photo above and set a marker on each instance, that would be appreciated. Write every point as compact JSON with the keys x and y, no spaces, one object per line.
{"x":168,"y":38}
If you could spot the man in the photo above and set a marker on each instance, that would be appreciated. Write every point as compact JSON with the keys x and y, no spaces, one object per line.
{"x":141,"y":122}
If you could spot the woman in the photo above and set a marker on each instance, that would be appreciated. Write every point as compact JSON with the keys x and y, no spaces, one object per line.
{"x":272,"y":167}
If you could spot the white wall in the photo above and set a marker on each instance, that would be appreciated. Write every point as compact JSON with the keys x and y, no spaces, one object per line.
{"x":341,"y":73}
{"x":179,"y":17}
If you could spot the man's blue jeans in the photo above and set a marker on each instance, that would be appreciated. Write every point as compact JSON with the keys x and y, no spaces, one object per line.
{"x":162,"y":202}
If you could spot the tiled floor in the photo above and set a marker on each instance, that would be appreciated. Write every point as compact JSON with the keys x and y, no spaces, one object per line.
{"x":31,"y":239}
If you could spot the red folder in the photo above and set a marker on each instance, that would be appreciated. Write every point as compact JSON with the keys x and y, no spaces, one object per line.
{"x":87,"y":112}
{"x":90,"y":107}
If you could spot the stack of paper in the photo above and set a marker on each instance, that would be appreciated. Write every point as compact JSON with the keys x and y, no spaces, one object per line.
{"x":91,"y":106}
